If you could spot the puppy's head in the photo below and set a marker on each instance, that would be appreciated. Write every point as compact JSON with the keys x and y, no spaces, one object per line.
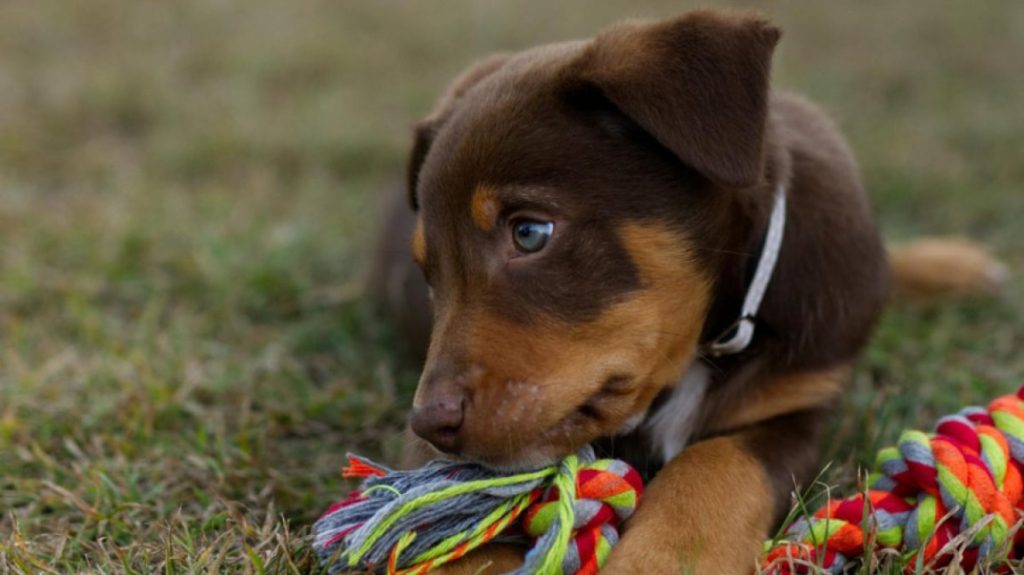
{"x":567,"y":197}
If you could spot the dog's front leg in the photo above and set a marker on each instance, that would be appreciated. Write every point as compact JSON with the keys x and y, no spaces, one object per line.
{"x":491,"y":559}
{"x":709,"y":510}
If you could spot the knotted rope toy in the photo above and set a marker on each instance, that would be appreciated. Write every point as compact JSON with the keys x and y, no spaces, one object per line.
{"x":409,"y":522}
{"x":964,"y":479}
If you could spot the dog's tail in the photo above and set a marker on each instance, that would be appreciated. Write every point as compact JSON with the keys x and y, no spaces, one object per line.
{"x":944,"y":267}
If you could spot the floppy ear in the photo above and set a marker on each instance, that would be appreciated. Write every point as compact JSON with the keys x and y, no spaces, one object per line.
{"x":425,"y":130}
{"x":697,"y":83}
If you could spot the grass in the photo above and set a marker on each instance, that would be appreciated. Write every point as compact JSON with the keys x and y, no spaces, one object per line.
{"x":185,"y":199}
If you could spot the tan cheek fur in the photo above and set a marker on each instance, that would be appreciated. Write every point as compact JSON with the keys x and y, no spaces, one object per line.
{"x":535,"y":376}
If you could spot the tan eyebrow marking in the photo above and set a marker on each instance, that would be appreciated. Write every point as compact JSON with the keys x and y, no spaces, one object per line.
{"x":419,"y":243}
{"x":484,"y":208}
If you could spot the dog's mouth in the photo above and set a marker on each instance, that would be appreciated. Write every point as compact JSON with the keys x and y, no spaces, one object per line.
{"x":605,"y":404}
{"x":606,"y":412}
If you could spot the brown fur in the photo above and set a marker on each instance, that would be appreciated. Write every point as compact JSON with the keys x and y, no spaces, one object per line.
{"x":932,"y":267}
{"x":654,"y":149}
{"x":492,"y":560}
{"x":395,"y":282}
{"x":563,"y":385}
{"x":484,"y":208}
{"x":419,"y":245}
{"x":790,"y":393}
{"x":714,"y":505}
{"x":632,"y":61}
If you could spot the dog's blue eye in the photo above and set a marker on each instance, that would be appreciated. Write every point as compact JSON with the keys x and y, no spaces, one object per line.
{"x":531,"y":236}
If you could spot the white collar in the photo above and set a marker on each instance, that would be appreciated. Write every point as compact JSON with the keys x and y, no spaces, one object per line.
{"x":739,"y":335}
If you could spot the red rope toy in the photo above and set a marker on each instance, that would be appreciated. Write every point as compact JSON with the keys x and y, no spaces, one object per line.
{"x":963,"y":479}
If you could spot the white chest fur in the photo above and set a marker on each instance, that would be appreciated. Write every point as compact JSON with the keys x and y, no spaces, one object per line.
{"x":669,"y":426}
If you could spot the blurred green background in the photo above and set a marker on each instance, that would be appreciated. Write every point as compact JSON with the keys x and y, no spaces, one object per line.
{"x":188,"y":189}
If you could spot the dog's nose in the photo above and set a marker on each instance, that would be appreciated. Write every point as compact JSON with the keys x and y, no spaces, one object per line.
{"x":439,"y":421}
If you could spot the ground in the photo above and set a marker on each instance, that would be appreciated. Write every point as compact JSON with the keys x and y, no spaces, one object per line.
{"x":187,"y":190}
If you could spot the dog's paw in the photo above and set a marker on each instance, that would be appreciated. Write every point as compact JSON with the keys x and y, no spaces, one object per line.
{"x":490,"y":559}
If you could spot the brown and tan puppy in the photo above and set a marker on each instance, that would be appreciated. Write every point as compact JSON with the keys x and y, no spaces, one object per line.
{"x":588,"y":216}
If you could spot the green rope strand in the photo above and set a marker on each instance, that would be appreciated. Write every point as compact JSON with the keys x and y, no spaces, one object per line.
{"x":436,"y":497}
